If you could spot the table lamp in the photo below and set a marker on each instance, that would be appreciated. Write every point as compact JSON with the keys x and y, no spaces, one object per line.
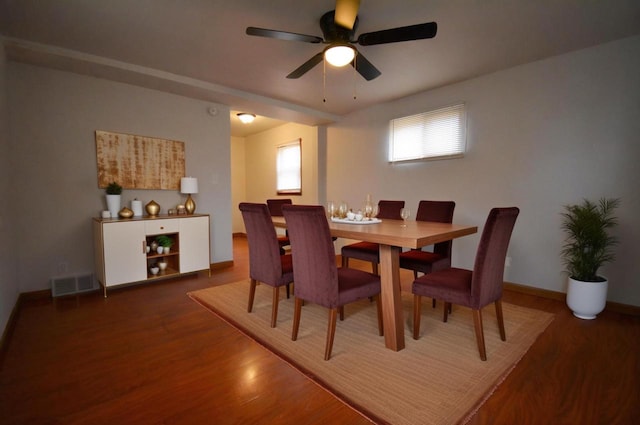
{"x":189,"y":185}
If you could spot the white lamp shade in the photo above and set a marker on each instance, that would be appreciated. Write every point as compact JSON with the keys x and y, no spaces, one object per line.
{"x":339,"y":55}
{"x":188,"y":185}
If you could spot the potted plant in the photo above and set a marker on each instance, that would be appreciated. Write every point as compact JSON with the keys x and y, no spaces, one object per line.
{"x":114,"y":190}
{"x":588,"y":246}
{"x":165,"y":242}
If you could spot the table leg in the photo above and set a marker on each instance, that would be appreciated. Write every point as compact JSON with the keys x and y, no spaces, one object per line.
{"x":391,"y":298}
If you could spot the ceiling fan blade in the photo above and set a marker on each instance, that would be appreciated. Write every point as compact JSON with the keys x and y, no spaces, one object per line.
{"x":305,"y":67}
{"x":283,"y":35}
{"x":365,"y":68}
{"x":346,"y":12}
{"x":394,"y":35}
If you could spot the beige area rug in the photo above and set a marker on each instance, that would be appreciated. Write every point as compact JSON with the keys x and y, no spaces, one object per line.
{"x":438,"y":379}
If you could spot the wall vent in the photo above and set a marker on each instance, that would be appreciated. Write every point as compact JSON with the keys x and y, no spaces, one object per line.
{"x":67,"y":285}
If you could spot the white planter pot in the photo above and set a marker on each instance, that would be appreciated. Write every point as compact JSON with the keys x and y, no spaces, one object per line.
{"x":113,"y":205}
{"x":586,"y":299}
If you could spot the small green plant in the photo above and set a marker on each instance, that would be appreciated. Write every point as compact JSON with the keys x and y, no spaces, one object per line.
{"x":588,"y":245}
{"x":164,"y":241}
{"x":114,"y":189}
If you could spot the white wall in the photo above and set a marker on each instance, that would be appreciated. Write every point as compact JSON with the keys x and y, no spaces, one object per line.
{"x":8,"y":270}
{"x":53,"y":117}
{"x":540,"y":136}
{"x":238,"y":181}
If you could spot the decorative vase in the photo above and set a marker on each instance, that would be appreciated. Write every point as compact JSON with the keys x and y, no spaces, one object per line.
{"x":113,"y":205}
{"x":586,"y":299}
{"x":152,"y":208}
{"x":160,"y":250}
{"x":154,"y":246}
{"x":166,"y":249}
{"x":125,"y":213}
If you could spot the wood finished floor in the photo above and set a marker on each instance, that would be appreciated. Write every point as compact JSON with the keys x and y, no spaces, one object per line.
{"x":149,"y":355}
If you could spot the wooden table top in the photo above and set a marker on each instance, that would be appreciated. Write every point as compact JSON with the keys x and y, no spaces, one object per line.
{"x":416,"y":234}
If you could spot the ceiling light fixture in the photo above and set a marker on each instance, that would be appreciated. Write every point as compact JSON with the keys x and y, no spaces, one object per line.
{"x":246,"y":118}
{"x":339,"y":54}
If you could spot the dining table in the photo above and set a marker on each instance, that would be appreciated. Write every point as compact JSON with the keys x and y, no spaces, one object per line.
{"x":392,"y":236}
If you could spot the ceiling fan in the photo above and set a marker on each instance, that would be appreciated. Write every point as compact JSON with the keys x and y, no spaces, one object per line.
{"x":338,"y":28}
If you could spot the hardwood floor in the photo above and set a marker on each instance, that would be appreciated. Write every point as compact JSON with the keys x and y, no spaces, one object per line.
{"x":148,"y":354}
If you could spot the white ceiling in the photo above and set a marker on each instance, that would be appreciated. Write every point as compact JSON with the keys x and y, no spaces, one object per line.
{"x":199,"y":48}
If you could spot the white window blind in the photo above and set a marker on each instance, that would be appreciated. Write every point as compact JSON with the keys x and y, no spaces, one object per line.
{"x":289,"y":168}
{"x":435,"y":134}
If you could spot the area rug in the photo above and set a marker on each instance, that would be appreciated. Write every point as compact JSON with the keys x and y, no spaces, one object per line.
{"x":438,"y":379}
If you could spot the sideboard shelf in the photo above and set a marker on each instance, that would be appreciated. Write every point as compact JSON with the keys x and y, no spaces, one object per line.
{"x":123,"y":252}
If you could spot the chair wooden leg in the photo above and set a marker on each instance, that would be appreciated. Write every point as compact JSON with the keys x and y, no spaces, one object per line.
{"x":477,"y":321}
{"x":288,"y":290}
{"x":274,"y":306}
{"x":296,"y":318}
{"x":503,"y":334}
{"x":374,"y":267}
{"x":331,"y":331}
{"x":380,"y":323}
{"x":416,"y":316}
{"x":345,"y":261}
{"x":252,"y":294}
{"x":415,"y":275}
{"x":433,"y":303}
{"x":341,"y":310}
{"x":447,"y":310}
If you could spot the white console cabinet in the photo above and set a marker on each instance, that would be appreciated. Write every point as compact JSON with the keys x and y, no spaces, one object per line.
{"x":123,"y":252}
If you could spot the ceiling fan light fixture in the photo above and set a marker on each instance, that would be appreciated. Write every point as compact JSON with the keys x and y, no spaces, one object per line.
{"x":246,"y":118}
{"x":339,"y":55}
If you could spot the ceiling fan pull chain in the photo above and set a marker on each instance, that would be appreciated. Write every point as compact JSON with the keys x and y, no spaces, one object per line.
{"x":354,"y":76}
{"x":324,"y":80}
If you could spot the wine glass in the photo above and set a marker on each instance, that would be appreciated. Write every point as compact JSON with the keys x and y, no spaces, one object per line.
{"x":405,"y":213}
{"x":331,"y":209}
{"x":374,"y":212}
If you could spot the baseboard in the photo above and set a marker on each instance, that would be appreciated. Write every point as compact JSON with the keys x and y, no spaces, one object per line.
{"x":631,"y":310}
{"x":221,"y":265}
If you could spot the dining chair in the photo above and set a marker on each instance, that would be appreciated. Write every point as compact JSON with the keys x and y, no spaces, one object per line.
{"x":422,"y":261}
{"x":318,"y":279}
{"x":266,"y":264}
{"x":475,"y":288}
{"x":275,"y":209}
{"x":370,"y":251}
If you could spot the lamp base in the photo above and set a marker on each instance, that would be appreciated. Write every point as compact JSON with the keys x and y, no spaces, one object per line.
{"x":190,"y":205}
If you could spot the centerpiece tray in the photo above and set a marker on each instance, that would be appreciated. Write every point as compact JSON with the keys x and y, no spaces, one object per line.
{"x":363,"y":221}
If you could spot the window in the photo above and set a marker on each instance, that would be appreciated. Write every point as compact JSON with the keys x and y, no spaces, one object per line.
{"x":288,"y":168}
{"x":436,"y":134}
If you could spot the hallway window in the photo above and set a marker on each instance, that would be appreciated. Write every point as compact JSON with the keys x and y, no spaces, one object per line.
{"x":289,"y":168}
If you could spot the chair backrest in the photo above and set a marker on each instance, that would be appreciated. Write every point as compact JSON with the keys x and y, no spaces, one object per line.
{"x":275,"y":206}
{"x":314,"y":260}
{"x":264,"y":252}
{"x":488,"y":270}
{"x":390,"y":209}
{"x":441,"y":212}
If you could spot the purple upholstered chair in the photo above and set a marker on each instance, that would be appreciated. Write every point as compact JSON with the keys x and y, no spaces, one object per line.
{"x":475,"y":288}
{"x":266,"y":264}
{"x":426,"y":261}
{"x":275,"y":209}
{"x":317,"y":278}
{"x":370,"y":251}
{"x":440,"y":258}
